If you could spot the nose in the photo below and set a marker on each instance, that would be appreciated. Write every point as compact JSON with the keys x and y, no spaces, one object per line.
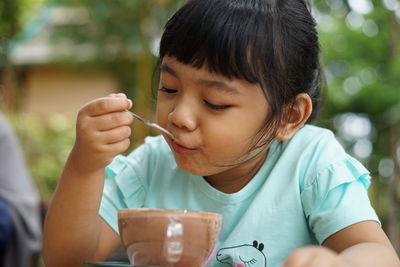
{"x":183,"y":116}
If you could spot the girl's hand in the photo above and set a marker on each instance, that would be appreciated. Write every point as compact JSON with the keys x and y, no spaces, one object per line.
{"x":315,"y":256}
{"x":102,"y":132}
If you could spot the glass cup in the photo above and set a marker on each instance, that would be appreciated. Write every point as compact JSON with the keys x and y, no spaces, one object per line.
{"x":162,"y":237}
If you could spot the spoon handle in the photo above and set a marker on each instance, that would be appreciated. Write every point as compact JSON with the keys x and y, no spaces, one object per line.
{"x":151,"y":124}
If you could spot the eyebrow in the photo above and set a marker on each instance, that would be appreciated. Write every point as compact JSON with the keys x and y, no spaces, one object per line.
{"x":220,"y":85}
{"x":166,"y":68}
{"x":207,"y":83}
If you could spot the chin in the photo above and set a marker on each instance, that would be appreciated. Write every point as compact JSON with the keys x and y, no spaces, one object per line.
{"x":192,"y":168}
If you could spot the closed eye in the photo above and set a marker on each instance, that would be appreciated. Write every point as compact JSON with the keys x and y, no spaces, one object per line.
{"x":167,"y":90}
{"x":216,"y":107}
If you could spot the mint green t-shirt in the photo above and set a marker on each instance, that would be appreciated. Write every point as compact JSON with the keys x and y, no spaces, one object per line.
{"x":307,"y":189}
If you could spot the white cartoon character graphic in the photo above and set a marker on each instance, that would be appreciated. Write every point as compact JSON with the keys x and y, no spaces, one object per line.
{"x":246,"y":255}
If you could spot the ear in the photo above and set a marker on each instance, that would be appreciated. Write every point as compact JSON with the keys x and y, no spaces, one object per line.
{"x":295,"y":116}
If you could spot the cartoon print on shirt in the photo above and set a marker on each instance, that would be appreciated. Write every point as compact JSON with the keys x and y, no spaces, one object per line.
{"x":246,"y":255}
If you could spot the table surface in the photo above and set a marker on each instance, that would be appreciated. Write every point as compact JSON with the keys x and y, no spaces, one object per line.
{"x":108,"y":263}
{"x":114,"y":264}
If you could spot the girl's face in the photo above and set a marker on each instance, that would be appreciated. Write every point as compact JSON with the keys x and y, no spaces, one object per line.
{"x":214,"y":120}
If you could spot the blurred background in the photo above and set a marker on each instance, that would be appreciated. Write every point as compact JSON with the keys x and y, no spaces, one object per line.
{"x":56,"y":55}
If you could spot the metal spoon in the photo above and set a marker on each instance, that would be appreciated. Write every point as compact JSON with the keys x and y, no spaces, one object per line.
{"x":151,"y":124}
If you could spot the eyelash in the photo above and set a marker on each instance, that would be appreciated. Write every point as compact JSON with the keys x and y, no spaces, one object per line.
{"x":167,"y":90}
{"x":216,"y":107}
{"x":210,"y":105}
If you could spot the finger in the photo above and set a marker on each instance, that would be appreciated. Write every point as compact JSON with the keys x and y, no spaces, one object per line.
{"x":299,"y":258}
{"x":105,"y":105}
{"x":112,"y":120}
{"x":120,"y":95}
{"x":118,"y":147}
{"x":327,"y":258}
{"x":116,"y":135}
{"x":319,"y":260}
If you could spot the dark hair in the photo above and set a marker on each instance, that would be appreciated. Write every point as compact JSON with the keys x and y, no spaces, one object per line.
{"x":270,"y":42}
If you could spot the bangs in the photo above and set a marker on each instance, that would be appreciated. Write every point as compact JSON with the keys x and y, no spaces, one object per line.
{"x":224,"y":36}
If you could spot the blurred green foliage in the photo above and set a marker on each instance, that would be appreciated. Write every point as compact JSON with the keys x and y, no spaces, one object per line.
{"x":46,"y":144}
{"x":16,"y":13}
{"x":111,"y":35}
{"x":361,"y":56}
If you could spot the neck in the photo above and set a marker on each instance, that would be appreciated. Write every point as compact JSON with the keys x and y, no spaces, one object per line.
{"x":234,"y":179}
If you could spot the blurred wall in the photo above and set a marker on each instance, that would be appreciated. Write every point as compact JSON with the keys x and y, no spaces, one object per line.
{"x":46,"y":85}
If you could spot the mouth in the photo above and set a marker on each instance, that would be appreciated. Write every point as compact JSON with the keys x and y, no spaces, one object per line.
{"x":180,"y":149}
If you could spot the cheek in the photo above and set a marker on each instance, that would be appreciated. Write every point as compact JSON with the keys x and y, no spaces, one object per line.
{"x":227,"y":145}
{"x":233,"y":137}
{"x":162,"y":114}
{"x":238,"y":129}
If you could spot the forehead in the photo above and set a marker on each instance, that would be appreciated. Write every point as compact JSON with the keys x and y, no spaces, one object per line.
{"x":175,"y":67}
{"x":205,"y":77}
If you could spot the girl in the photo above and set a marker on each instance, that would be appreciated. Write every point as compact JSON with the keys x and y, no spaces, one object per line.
{"x":239,"y":84}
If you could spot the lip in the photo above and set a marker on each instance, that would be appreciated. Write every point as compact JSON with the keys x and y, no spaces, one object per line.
{"x":181,"y":149}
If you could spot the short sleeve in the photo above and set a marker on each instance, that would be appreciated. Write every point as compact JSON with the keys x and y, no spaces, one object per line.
{"x":337,"y":197}
{"x":123,"y":189}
